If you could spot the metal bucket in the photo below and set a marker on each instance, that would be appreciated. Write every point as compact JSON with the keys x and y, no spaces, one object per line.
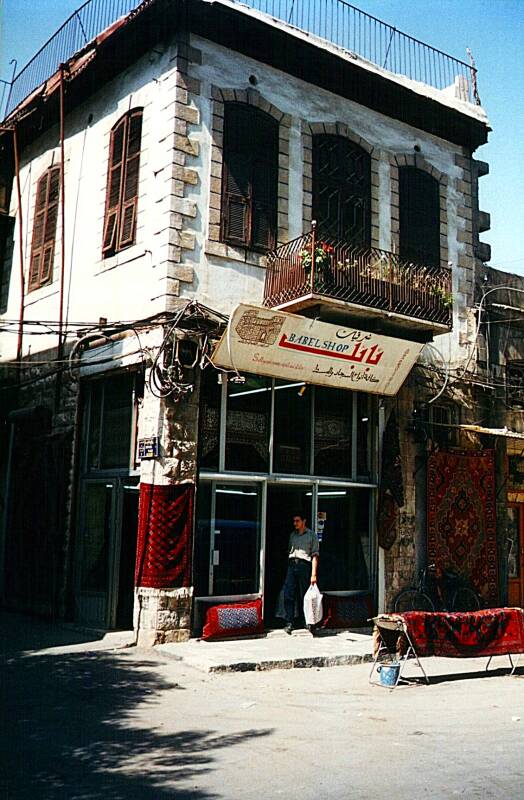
{"x":389,"y":673}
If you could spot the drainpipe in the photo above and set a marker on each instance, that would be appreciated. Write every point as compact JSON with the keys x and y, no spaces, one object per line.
{"x":19,"y":348}
{"x":60,"y":349}
{"x":62,"y":203}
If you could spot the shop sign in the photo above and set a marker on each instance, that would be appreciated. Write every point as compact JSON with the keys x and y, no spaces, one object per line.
{"x":282,"y":345}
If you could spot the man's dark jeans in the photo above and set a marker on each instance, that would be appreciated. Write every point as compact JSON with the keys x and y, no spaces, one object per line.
{"x":297,"y":582}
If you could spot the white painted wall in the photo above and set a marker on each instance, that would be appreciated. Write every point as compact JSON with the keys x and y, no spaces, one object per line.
{"x":130,"y":285}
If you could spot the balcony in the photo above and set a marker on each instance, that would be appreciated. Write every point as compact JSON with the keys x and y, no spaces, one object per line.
{"x":341,"y":279}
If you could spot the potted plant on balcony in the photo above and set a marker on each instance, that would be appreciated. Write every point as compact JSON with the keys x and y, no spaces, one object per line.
{"x":323,"y":255}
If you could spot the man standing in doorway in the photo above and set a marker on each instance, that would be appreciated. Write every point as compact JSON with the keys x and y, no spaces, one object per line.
{"x":302,"y":567}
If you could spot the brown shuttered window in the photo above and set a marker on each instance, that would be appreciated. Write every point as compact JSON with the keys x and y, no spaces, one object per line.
{"x":122,"y":184}
{"x":419,"y":217}
{"x":44,"y":228}
{"x":249,"y":182}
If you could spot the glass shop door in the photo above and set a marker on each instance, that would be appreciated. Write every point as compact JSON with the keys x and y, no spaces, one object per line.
{"x":283,"y":502}
{"x":106,"y":552}
{"x":515,"y":554}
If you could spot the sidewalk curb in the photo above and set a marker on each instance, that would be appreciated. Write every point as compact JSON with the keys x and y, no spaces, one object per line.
{"x":293,"y":663}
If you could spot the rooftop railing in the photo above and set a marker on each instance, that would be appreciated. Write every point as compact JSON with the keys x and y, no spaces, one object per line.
{"x":84,"y":24}
{"x":313,"y":267}
{"x":335,"y":21}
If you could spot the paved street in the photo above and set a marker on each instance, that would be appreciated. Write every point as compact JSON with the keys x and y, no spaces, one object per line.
{"x":87,"y":719}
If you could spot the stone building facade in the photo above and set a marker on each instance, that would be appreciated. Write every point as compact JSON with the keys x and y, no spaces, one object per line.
{"x":121,"y":370}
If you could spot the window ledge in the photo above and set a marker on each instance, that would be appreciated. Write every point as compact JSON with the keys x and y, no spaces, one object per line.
{"x":124,"y":257}
{"x":41,"y":293}
{"x":242,"y":254}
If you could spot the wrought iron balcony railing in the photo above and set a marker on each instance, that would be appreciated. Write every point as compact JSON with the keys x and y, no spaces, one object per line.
{"x":317,"y":267}
{"x":335,"y":21}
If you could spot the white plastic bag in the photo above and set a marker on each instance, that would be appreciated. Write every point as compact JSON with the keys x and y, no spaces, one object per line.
{"x":312,"y":605}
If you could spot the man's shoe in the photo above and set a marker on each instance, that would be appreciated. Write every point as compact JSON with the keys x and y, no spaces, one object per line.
{"x":289,"y":629}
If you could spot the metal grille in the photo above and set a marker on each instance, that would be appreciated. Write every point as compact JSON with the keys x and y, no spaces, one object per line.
{"x":342,"y":189}
{"x":365,"y":276}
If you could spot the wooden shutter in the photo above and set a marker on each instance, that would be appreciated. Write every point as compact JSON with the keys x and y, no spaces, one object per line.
{"x":114,"y":186}
{"x":419,"y":215}
{"x":249,"y":187}
{"x":130,"y":184}
{"x":236,"y":200}
{"x":264,"y":192}
{"x":44,"y":228}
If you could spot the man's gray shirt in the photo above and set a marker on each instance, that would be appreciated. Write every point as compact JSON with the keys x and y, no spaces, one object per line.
{"x":303,"y":545}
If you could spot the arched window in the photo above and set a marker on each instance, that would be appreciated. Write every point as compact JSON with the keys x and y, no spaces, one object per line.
{"x":419,"y":217}
{"x":342,"y":189}
{"x":122,"y":183}
{"x":44,"y":228}
{"x":249,"y":177}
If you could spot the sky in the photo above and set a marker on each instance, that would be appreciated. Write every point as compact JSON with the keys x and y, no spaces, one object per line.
{"x":492,"y":29}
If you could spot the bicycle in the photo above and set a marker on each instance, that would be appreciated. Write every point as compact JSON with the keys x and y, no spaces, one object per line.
{"x":442,"y":590}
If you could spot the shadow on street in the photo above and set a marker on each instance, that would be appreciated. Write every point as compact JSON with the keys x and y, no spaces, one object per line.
{"x":68,"y":729}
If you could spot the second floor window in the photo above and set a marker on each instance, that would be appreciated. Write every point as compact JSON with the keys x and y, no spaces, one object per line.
{"x":122,"y":183}
{"x":342,"y":189}
{"x":249,"y":182}
{"x":419,"y":217}
{"x":515,"y":384}
{"x":44,"y":228}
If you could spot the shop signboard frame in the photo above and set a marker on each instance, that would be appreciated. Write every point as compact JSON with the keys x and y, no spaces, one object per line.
{"x":282,"y":345}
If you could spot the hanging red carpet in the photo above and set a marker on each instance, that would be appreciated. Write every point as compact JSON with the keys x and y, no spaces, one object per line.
{"x":165,"y":520}
{"x":461,"y":521}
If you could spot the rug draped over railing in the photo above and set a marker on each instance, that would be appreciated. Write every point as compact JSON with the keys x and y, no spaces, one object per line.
{"x":491,"y":632}
{"x":165,"y":521}
{"x":461,"y":520}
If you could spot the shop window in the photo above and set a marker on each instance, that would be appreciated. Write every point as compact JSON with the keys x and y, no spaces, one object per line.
{"x":364,"y":429}
{"x":515,"y":384}
{"x":247,"y":425}
{"x":249,"y":182}
{"x":345,"y":560}
{"x":209,"y":439}
{"x":442,"y":419}
{"x":419,"y":217}
{"x":333,"y":432}
{"x":284,"y":428}
{"x":44,"y":229}
{"x":513,"y":540}
{"x":108,"y":421}
{"x":122,"y":183}
{"x":202,"y":554}
{"x":292,"y":428}
{"x":342,"y":189}
{"x":95,"y":555}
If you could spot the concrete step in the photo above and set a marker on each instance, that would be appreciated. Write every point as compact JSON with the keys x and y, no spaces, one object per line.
{"x":274,"y":650}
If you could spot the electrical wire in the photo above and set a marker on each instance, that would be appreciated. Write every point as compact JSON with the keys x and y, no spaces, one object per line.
{"x":479,"y":320}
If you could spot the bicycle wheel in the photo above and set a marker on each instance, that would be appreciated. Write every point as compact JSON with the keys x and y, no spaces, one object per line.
{"x":412,"y":600}
{"x":465,"y":599}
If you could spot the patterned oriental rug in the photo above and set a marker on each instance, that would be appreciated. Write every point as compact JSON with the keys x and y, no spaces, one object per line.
{"x":461,"y":522}
{"x":165,"y":520}
{"x":491,"y":632}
